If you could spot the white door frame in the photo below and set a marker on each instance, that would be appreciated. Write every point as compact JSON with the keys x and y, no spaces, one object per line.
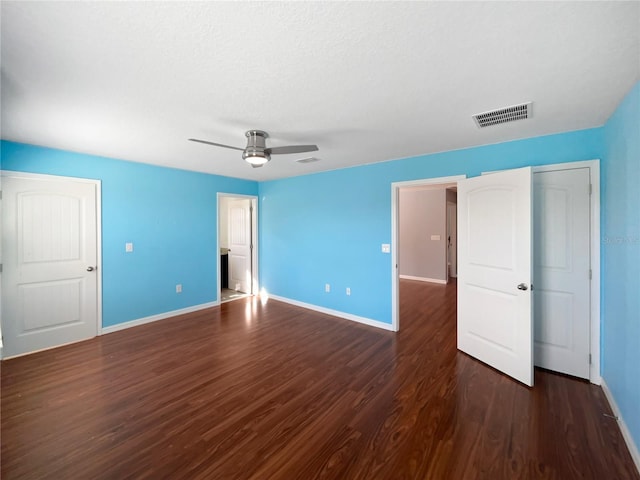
{"x":594,"y":169}
{"x":98,"y":185}
{"x":454,"y":206}
{"x":594,"y":244}
{"x":255,"y":287}
{"x":395,"y":204}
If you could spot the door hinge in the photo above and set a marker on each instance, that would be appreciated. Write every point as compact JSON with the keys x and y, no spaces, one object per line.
{"x":589,"y":359}
{"x":0,"y":268}
{"x":590,"y":274}
{"x":590,"y":189}
{"x":0,"y":194}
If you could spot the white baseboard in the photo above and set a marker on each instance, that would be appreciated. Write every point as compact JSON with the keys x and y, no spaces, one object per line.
{"x":335,"y":313}
{"x":626,"y":434}
{"x":423,"y":279}
{"x":155,"y":318}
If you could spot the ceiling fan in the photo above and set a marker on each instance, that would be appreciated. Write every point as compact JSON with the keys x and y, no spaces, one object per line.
{"x":256,"y":152}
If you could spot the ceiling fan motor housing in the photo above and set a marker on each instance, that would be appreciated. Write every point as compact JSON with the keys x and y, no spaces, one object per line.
{"x":256,"y":145}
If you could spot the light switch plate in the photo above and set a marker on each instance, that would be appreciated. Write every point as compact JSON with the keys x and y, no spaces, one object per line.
{"x":128,"y":247}
{"x":435,"y":237}
{"x":386,"y":248}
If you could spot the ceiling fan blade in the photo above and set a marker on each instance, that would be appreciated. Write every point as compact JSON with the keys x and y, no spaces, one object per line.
{"x":215,"y":144}
{"x":291,"y":149}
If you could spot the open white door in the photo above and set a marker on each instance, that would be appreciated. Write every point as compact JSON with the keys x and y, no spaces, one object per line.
{"x":495,"y":321}
{"x":240,"y":245}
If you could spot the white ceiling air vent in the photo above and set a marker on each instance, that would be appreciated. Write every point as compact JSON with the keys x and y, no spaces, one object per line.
{"x":308,"y":160}
{"x":503,"y":115}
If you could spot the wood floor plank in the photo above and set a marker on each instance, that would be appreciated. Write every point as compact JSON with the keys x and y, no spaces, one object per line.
{"x":265,"y":390}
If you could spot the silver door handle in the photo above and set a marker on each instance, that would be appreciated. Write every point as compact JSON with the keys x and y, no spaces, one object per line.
{"x":91,"y":269}
{"x":522,"y":286}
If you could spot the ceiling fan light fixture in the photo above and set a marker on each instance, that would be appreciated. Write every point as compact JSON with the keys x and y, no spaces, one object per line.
{"x":256,"y":157}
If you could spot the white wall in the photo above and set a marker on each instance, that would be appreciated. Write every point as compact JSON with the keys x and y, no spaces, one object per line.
{"x":423,"y":215}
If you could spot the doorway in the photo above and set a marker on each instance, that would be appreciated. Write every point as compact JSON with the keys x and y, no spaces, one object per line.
{"x":542,"y":331}
{"x":424,"y":236}
{"x":395,"y":234}
{"x":237,"y":244}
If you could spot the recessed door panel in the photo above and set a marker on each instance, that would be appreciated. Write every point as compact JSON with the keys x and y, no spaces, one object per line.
{"x":47,"y":305}
{"x":491,"y":247}
{"x":56,"y":218}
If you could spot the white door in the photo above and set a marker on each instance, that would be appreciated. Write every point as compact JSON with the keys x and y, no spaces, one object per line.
{"x":452,"y":239}
{"x":240,"y":245}
{"x":561,"y":270}
{"x":494,"y":271}
{"x":49,"y":294}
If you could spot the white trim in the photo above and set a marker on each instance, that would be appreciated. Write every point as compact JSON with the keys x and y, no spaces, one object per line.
{"x":45,"y":176}
{"x":455,"y":206}
{"x":155,"y":318}
{"x":423,"y":279}
{"x":335,"y":313}
{"x":99,"y":254}
{"x":98,"y":185}
{"x":255,"y":280}
{"x":47,"y":348}
{"x":626,"y":434}
{"x":395,"y":204}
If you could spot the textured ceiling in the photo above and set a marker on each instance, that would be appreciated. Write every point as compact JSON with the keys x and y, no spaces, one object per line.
{"x":366,"y":82}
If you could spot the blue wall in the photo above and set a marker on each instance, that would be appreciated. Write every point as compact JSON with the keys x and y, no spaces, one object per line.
{"x":168,"y":214}
{"x":329,"y":227}
{"x":621,"y":259}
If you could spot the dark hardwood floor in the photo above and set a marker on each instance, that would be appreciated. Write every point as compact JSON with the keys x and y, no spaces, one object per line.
{"x":270,"y":391}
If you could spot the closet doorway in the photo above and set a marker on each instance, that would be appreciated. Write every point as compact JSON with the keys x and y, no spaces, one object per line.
{"x":565,"y":264}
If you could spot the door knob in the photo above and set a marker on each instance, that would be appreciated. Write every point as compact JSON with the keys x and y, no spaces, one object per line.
{"x":90,"y":269}
{"x":522,"y":286}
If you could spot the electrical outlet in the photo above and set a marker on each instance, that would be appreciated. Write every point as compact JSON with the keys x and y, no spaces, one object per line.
{"x":179,"y":288}
{"x":327,"y":287}
{"x":348,"y":291}
{"x":128,"y":247}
